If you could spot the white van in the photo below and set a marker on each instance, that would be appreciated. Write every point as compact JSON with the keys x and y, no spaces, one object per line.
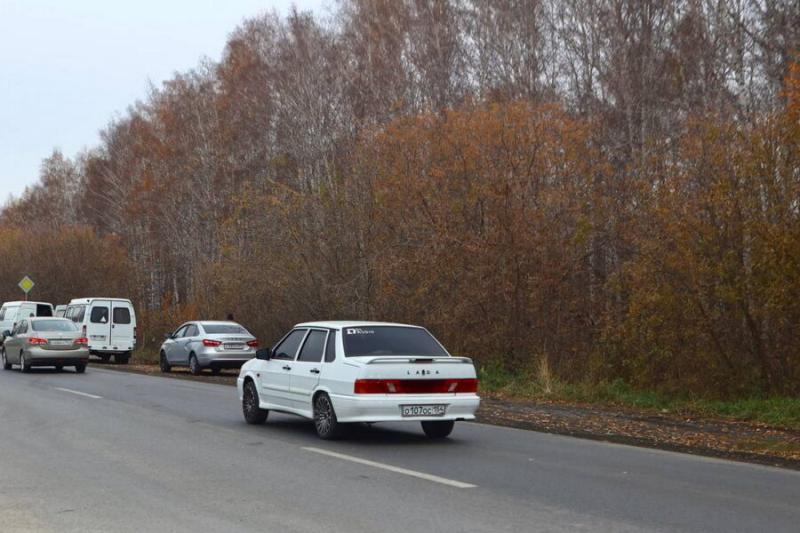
{"x":108,"y":323}
{"x":11,"y":312}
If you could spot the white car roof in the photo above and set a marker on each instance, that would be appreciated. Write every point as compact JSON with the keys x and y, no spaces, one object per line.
{"x":339,"y":324}
{"x":19,"y":302}
{"x":93,"y":298}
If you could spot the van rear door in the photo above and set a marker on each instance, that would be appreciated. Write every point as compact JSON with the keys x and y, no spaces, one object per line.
{"x":98,"y":327}
{"x":122,"y":326}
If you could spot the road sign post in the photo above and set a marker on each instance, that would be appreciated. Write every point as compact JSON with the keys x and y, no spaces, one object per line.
{"x":26,"y":284}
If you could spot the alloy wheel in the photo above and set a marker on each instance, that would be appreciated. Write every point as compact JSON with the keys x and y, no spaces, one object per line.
{"x":323,"y":415}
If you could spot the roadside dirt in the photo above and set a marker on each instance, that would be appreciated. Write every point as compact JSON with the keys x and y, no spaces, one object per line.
{"x":729,"y":439}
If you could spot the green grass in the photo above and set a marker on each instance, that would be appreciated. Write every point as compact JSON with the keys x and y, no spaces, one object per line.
{"x":540,"y":385}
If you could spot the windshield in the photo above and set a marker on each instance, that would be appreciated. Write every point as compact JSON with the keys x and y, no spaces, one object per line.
{"x":53,"y":325}
{"x":390,"y":340}
{"x":213,"y":329}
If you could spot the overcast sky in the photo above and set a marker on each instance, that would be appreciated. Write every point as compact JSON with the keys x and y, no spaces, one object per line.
{"x":68,"y":66}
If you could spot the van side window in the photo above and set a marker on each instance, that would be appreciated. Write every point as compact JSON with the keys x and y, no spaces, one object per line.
{"x":121,"y":315}
{"x":99,"y":315}
{"x":44,"y":310}
{"x":78,"y":313}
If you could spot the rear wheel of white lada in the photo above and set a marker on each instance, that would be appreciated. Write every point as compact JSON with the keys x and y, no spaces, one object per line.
{"x":325,"y":421}
{"x":437,"y":429}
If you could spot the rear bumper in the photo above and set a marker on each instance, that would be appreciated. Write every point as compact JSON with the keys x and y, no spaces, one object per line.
{"x":386,"y":408}
{"x":214,"y":358}
{"x":34,"y":352}
{"x":41,"y":357}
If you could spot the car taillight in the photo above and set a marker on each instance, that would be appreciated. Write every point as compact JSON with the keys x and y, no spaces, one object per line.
{"x":211,"y":342}
{"x":36,"y":340}
{"x":253,"y":343}
{"x":415,"y":386}
{"x":82,"y":341}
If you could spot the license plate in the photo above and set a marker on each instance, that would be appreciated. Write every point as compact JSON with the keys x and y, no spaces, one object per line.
{"x":422,"y":410}
{"x":60,"y":342}
{"x":232,"y":346}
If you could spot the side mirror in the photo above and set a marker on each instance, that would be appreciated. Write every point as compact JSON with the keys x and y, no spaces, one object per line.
{"x":264,"y":354}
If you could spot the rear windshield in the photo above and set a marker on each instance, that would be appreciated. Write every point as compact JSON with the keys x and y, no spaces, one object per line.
{"x":390,"y":340}
{"x":53,"y":325}
{"x":213,"y":329}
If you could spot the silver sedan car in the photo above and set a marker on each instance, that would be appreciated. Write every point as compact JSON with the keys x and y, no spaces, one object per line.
{"x":207,"y":344}
{"x":45,"y":341}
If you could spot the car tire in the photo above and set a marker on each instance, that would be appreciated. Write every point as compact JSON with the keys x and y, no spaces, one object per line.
{"x":24,"y":366}
{"x":6,"y":364}
{"x":194,"y":365}
{"x":164,"y":364}
{"x":80,"y":368}
{"x":122,"y":358}
{"x":253,"y":414}
{"x":438,"y":429}
{"x":325,"y":422}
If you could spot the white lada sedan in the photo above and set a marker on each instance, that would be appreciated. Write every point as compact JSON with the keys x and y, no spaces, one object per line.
{"x":336,"y":373}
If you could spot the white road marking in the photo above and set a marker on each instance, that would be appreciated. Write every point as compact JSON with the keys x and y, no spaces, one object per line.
{"x":79,"y":393}
{"x":390,"y":468}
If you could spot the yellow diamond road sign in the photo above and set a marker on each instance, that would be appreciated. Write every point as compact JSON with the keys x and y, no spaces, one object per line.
{"x":26,"y":284}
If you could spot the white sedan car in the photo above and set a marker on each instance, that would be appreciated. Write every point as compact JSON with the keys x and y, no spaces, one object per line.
{"x":336,"y":373}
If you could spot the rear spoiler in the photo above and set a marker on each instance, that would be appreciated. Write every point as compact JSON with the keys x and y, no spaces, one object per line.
{"x":451,"y":360}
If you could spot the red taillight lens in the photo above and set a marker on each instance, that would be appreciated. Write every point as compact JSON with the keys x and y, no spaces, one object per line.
{"x":253,"y":343}
{"x":82,"y":341}
{"x":36,"y":340}
{"x":211,"y":342}
{"x":415,"y":386}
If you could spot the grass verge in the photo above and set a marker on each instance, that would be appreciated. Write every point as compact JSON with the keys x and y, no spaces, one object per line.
{"x":540,"y":385}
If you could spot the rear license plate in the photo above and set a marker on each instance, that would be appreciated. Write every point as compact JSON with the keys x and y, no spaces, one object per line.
{"x":60,"y":342}
{"x":233,"y":346}
{"x":422,"y":410}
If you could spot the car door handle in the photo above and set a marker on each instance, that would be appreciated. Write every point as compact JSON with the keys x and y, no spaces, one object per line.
{"x":314,"y":370}
{"x":287,"y":367}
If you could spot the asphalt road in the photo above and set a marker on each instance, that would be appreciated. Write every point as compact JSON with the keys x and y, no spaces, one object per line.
{"x":112,"y":451}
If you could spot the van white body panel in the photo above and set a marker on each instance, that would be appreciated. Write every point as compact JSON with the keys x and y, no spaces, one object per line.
{"x":108,"y":323}
{"x":11,"y":312}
